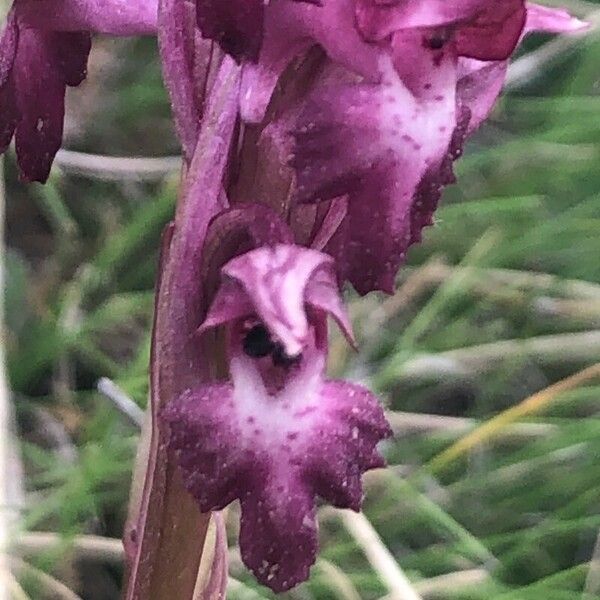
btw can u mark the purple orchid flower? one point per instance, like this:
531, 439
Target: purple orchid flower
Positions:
390, 146
43, 49
278, 433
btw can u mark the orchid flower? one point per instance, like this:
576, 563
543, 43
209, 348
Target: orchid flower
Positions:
372, 137
389, 146
43, 49
278, 433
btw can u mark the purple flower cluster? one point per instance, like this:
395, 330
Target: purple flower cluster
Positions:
318, 136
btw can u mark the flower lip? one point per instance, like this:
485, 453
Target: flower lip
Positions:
276, 438
389, 147
278, 433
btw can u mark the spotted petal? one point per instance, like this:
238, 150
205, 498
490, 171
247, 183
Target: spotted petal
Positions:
390, 146
376, 143
277, 434
276, 452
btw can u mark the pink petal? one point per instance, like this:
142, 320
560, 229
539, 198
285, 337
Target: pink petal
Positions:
552, 20
213, 469
230, 303
479, 86
292, 28
338, 479
233, 232
113, 17
322, 292
377, 20
40, 93
480, 82
275, 283
382, 145
390, 147
278, 533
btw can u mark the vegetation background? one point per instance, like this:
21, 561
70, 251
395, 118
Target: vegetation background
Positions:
482, 500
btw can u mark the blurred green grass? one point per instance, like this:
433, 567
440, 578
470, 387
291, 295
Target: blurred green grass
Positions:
521, 512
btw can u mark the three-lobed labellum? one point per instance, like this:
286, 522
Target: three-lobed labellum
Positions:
390, 146
405, 85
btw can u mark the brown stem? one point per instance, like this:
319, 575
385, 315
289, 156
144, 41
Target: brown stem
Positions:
166, 540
